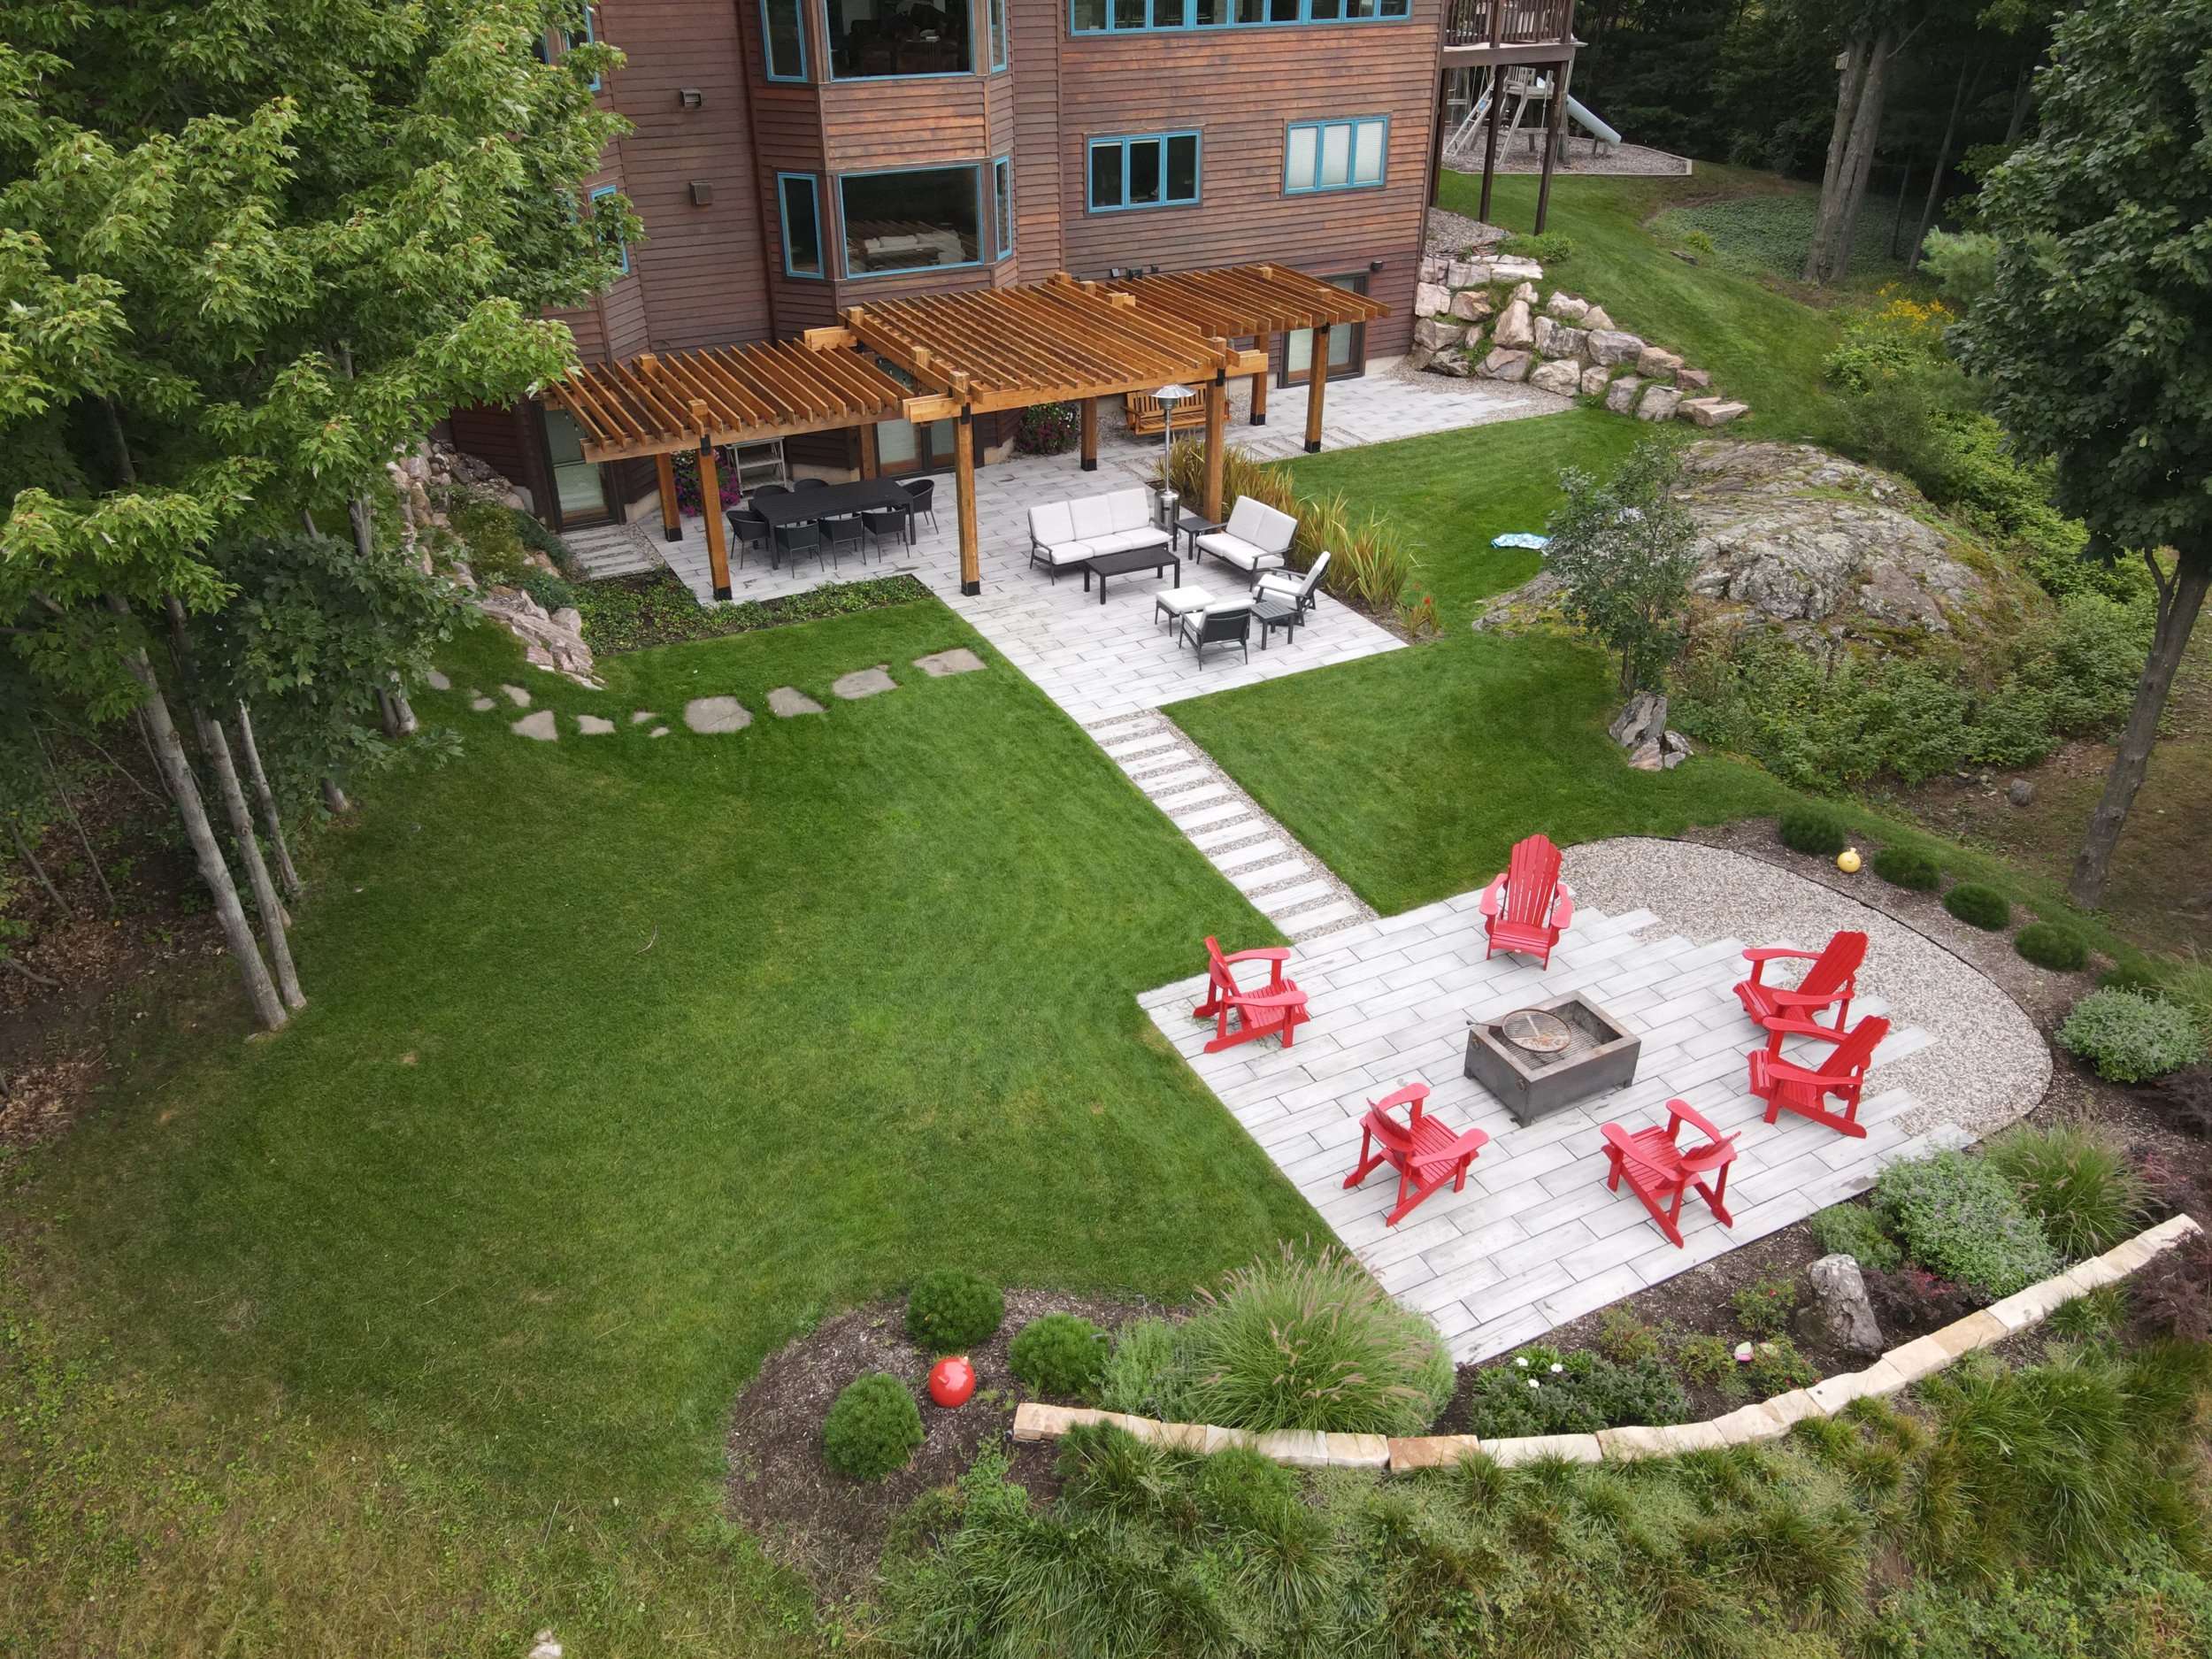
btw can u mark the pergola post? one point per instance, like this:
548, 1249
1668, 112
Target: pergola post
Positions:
868, 462
1561, 72
1217, 441
1317, 383
1259, 383
1490, 127
1090, 434
671, 519
710, 505
963, 490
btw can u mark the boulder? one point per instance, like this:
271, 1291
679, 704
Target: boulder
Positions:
1556, 339
1435, 267
1610, 345
1504, 365
1594, 379
1472, 306
1648, 756
1643, 717
1563, 375
1507, 268
1658, 402
1454, 363
1674, 748
1471, 273
1656, 360
1620, 397
1839, 1315
1713, 412
1566, 307
1436, 335
2020, 792
1431, 299
1514, 328
1693, 380
1525, 291
1419, 357
1596, 319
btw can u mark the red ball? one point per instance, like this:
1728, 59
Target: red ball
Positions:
951, 1382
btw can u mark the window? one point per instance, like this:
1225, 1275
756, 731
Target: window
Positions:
1092, 17
801, 224
998, 34
599, 195
1002, 205
1152, 172
914, 220
1336, 155
785, 32
874, 38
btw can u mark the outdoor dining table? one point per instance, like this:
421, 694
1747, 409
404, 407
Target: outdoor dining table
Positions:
834, 501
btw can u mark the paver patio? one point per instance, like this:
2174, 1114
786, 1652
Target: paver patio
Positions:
1536, 1239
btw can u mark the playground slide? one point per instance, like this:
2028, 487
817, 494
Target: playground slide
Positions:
1604, 134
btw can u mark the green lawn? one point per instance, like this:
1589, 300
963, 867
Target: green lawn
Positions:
626, 1059
1760, 344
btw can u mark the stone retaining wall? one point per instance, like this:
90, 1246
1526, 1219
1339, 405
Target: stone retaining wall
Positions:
1767, 1420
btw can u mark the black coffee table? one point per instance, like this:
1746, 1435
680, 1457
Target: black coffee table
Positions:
1276, 613
1153, 558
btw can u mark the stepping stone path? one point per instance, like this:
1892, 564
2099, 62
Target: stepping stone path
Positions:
789, 700
959, 660
594, 725
641, 716
478, 701
540, 726
520, 697
865, 683
437, 681
714, 715
658, 731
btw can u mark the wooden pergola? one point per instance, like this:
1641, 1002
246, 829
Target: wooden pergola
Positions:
1058, 340
1258, 301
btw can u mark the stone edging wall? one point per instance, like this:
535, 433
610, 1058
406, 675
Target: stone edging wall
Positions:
1767, 1420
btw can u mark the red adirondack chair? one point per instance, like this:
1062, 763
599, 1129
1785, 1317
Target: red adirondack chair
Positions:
1240, 1014
1527, 908
1660, 1172
1831, 982
1782, 1085
1423, 1152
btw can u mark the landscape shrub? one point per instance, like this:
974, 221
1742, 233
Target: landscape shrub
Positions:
1551, 248
1047, 428
951, 1310
1777, 1367
1960, 1216
1310, 1343
872, 1428
1709, 1361
1627, 1341
539, 539
1908, 867
1979, 906
495, 545
1856, 1231
1060, 1354
2085, 1189
2130, 1037
2080, 665
546, 588
2050, 946
2171, 1294
1904, 334
1623, 551
1138, 1377
1811, 829
1911, 1301
2093, 1315
1368, 568
2184, 1098
1541, 1391
1764, 1309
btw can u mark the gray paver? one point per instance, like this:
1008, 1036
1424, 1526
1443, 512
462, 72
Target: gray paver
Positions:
959, 660
540, 726
595, 726
785, 701
864, 682
715, 715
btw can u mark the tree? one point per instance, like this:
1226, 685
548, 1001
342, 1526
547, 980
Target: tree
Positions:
1622, 552
2096, 338
247, 251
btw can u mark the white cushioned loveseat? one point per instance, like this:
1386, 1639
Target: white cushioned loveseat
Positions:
1256, 538
1063, 533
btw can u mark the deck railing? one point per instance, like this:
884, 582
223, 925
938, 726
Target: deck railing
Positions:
1508, 22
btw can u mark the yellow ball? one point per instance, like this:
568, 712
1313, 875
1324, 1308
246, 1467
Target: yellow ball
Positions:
1848, 860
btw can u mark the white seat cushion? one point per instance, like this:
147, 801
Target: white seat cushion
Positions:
1254, 521
1234, 549
1124, 541
1132, 509
1051, 523
1182, 600
1060, 555
1092, 517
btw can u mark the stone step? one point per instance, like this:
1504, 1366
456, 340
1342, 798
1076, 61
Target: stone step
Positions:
1237, 857
1207, 817
1221, 834
1304, 924
1276, 905
1268, 874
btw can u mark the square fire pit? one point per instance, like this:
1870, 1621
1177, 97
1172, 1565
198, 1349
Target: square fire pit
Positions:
1540, 1058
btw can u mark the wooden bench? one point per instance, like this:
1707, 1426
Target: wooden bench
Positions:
1147, 419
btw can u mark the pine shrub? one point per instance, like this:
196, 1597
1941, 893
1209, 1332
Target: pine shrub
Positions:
2082, 1187
1061, 1354
1811, 829
1960, 1216
1855, 1231
2047, 945
872, 1429
1979, 906
2130, 1037
950, 1310
1908, 867
1139, 1377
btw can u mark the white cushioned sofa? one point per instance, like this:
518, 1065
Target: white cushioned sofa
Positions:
1063, 533
1256, 538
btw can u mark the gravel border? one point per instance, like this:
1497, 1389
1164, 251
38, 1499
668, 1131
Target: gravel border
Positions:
1989, 1065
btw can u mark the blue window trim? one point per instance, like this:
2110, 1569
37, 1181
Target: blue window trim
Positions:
591, 38
1353, 121
768, 49
1123, 141
1001, 207
821, 229
1001, 38
1190, 11
934, 74
844, 258
599, 193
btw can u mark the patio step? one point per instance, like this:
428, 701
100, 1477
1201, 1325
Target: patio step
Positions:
611, 549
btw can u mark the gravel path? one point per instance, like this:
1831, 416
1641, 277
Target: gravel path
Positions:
1989, 1065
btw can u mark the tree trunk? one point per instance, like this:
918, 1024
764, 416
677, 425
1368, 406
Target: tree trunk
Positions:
334, 797
1960, 94
216, 746
286, 872
1854, 61
1897, 215
2023, 100
399, 718
184, 789
23, 851
1858, 161
2180, 597
61, 794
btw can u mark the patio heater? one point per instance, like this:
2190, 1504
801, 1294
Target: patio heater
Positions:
1169, 396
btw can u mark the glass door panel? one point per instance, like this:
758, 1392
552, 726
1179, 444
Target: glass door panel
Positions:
1348, 343
578, 486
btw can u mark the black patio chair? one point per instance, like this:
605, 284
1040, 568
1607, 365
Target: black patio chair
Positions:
924, 491
794, 541
811, 483
759, 490
882, 524
752, 533
1217, 626
843, 534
